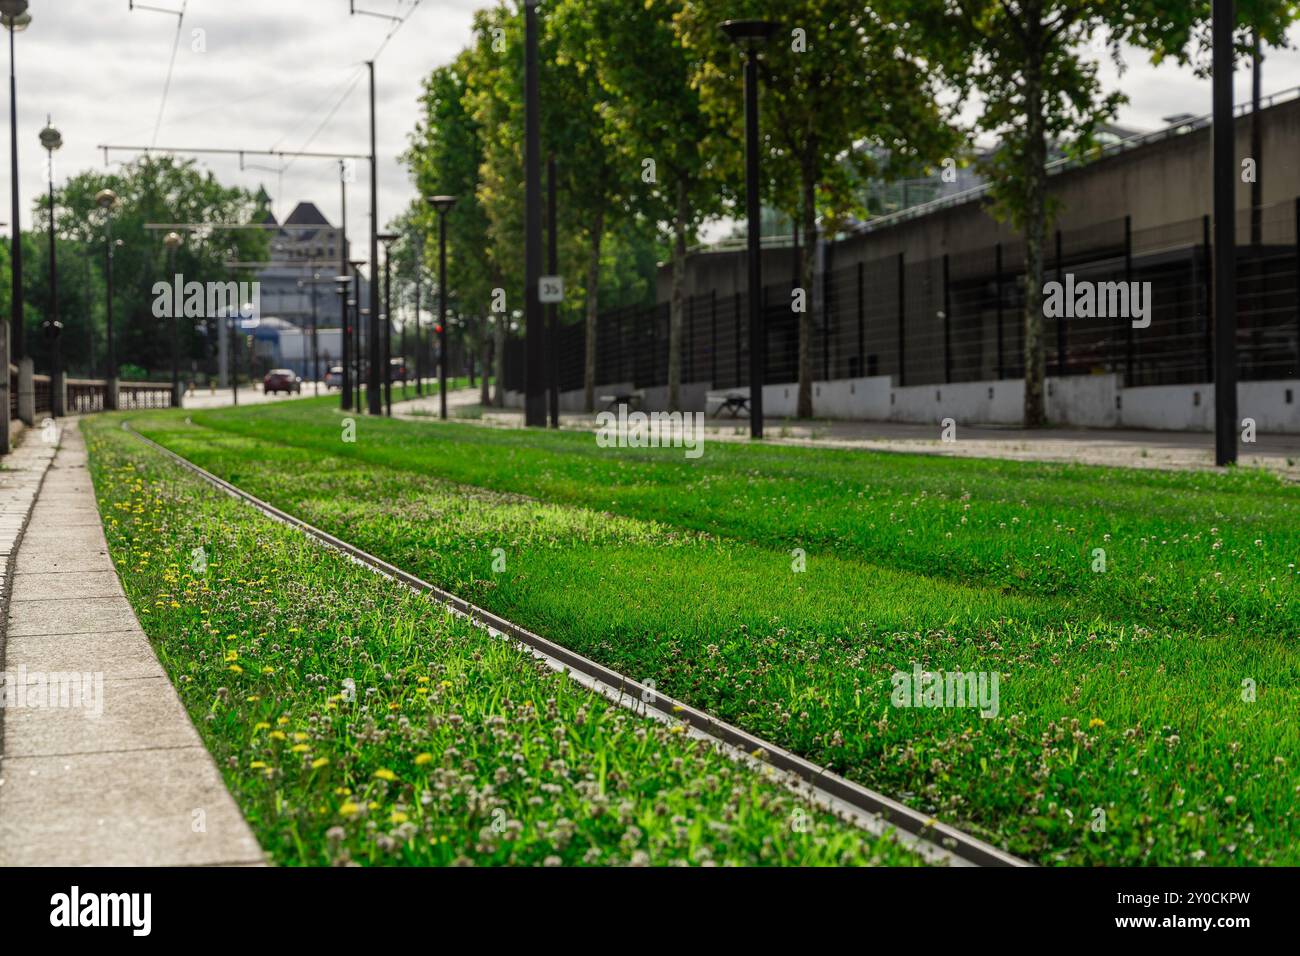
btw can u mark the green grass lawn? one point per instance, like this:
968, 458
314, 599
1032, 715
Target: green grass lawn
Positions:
355, 721
1122, 734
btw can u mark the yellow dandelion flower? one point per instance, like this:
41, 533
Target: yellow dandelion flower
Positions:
300, 748
447, 683
383, 773
1096, 722
235, 669
279, 735
349, 809
261, 725
282, 720
320, 762
299, 735
257, 765
398, 817
268, 670
422, 759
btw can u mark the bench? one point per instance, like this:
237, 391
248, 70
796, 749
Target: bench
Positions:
734, 402
622, 398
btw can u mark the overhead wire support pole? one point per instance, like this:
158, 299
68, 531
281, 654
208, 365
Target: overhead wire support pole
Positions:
374, 403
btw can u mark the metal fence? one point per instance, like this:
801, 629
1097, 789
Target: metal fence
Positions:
959, 318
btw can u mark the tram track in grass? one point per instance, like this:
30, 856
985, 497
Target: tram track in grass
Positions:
933, 840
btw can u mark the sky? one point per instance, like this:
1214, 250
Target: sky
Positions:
277, 73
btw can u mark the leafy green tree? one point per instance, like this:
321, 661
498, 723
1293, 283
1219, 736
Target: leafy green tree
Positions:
658, 121
837, 92
446, 158
1029, 61
158, 189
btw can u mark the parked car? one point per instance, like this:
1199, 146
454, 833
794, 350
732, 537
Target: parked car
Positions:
397, 370
334, 377
281, 380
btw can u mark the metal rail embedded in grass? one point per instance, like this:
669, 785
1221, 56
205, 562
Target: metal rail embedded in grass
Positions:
865, 805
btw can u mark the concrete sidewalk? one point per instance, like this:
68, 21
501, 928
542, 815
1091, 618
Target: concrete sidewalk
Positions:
1125, 448
133, 785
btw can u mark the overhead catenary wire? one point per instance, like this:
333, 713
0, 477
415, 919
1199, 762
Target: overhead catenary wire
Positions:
171, 66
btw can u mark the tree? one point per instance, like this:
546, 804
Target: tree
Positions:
838, 90
446, 157
1028, 60
158, 189
581, 130
658, 119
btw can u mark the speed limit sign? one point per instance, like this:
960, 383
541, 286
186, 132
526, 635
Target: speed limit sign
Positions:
550, 289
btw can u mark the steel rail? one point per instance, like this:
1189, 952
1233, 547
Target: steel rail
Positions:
951, 844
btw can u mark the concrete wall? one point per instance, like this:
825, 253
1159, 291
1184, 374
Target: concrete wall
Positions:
1157, 184
1084, 401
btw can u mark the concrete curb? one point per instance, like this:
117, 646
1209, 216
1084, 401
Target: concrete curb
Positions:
111, 772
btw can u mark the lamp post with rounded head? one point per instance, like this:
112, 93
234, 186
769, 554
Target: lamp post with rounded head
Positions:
106, 200
388, 238
443, 206
173, 242
750, 35
51, 139
14, 16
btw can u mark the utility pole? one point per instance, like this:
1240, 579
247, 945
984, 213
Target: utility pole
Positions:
345, 384
375, 397
1225, 238
534, 334
552, 310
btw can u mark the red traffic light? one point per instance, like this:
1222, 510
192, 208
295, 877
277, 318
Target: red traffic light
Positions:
438, 329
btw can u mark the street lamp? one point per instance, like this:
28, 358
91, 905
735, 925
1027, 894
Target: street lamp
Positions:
534, 333
388, 238
14, 16
442, 204
341, 284
51, 139
315, 352
360, 331
106, 200
173, 241
750, 35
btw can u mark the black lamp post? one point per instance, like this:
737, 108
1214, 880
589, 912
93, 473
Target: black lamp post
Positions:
173, 241
341, 284
14, 16
359, 331
315, 353
418, 253
106, 199
443, 206
750, 35
51, 139
534, 333
388, 238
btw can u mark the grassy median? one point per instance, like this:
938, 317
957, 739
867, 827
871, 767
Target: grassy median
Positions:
1145, 709
357, 722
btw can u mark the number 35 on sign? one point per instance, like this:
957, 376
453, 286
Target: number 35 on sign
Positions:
550, 289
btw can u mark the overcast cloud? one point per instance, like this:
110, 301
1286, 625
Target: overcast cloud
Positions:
273, 70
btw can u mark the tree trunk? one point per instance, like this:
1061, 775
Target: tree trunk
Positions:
499, 360
808, 279
593, 309
678, 300
1035, 228
485, 359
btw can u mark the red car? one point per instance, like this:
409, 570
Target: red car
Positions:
281, 380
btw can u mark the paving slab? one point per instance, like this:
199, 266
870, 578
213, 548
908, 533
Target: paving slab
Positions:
109, 771
115, 654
